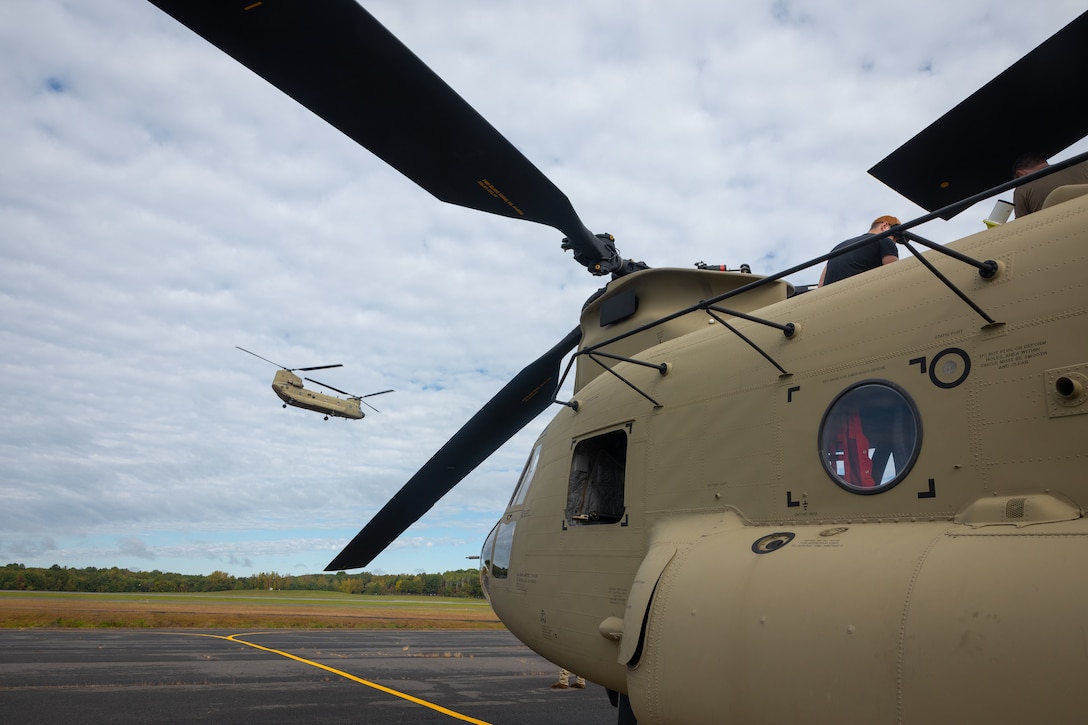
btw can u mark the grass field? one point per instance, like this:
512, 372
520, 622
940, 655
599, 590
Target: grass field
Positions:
243, 609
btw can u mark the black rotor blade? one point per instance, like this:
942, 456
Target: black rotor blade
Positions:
523, 398
263, 358
1039, 104
360, 399
334, 58
344, 392
326, 385
320, 367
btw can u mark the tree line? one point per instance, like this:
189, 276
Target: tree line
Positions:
460, 583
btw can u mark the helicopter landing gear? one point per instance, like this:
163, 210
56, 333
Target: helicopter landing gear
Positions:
623, 703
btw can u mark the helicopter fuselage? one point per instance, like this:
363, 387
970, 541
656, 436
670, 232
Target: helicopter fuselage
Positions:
879, 520
859, 504
290, 390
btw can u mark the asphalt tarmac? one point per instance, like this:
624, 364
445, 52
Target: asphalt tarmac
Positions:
116, 677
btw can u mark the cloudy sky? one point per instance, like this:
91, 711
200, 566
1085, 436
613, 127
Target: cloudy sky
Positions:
160, 204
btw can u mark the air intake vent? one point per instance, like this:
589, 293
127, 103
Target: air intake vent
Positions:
1022, 510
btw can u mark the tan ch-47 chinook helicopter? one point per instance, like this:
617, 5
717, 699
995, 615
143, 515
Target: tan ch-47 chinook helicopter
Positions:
290, 390
861, 504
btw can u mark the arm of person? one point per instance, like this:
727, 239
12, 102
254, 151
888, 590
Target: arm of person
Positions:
1020, 203
888, 251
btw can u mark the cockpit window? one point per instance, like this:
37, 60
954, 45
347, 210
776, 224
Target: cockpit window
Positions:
526, 478
595, 488
495, 556
870, 437
486, 555
488, 551
504, 544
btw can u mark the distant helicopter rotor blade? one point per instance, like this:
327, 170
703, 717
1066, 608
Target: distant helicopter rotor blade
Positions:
344, 392
263, 358
320, 367
360, 399
336, 59
326, 385
521, 400
291, 370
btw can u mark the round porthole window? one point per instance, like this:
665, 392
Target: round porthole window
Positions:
870, 437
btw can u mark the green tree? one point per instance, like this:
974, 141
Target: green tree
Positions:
217, 581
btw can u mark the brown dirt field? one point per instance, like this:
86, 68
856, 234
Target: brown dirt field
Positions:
48, 611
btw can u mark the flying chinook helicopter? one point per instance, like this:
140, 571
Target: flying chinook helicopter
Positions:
860, 504
290, 390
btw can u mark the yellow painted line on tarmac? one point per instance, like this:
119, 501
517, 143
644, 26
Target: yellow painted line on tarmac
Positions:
346, 675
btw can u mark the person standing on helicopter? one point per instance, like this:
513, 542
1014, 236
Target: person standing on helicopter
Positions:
1029, 198
866, 257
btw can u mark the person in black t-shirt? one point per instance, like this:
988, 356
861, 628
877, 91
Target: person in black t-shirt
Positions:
866, 257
